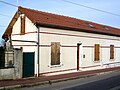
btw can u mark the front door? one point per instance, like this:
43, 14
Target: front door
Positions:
28, 64
78, 56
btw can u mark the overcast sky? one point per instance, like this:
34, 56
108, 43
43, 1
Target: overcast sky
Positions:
67, 9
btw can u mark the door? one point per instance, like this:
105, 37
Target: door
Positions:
78, 56
28, 64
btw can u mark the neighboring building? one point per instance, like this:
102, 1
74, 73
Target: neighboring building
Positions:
63, 44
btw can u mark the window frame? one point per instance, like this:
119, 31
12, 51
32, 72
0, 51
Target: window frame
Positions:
55, 53
97, 52
112, 52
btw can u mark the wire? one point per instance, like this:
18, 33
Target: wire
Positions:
91, 8
8, 3
5, 15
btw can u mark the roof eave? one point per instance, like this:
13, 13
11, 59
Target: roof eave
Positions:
8, 31
73, 29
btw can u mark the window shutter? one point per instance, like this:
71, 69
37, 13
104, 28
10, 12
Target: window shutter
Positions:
55, 53
111, 51
22, 25
97, 52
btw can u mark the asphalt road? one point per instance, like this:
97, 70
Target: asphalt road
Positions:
108, 81
106, 84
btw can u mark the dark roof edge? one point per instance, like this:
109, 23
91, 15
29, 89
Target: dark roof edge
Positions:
72, 29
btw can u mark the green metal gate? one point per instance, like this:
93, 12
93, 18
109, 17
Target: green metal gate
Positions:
28, 64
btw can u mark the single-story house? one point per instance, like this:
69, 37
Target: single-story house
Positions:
56, 44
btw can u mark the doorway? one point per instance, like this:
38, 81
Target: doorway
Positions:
78, 55
28, 64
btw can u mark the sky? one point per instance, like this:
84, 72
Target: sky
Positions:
67, 9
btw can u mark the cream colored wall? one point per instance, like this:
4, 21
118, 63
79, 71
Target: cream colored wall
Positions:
27, 46
69, 54
29, 27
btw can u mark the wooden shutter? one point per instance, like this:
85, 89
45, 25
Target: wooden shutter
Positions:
55, 53
97, 52
22, 25
111, 51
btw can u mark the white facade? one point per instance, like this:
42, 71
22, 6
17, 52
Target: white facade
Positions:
68, 50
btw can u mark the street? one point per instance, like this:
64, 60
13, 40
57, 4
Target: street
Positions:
107, 81
99, 85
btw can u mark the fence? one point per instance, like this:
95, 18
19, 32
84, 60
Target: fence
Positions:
9, 58
11, 61
2, 58
6, 58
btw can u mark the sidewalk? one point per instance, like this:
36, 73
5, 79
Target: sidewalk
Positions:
10, 84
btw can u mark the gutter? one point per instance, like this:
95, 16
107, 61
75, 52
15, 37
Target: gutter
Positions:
92, 30
38, 52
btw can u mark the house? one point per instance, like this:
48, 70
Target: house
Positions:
55, 44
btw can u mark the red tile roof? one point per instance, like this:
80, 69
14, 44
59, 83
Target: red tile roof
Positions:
64, 22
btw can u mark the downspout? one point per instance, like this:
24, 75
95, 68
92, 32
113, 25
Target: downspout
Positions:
38, 52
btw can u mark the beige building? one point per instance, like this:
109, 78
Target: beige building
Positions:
55, 44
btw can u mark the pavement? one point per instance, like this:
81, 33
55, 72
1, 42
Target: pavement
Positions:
34, 81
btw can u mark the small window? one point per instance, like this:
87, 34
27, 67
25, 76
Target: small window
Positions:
106, 28
111, 51
97, 52
91, 26
22, 32
55, 53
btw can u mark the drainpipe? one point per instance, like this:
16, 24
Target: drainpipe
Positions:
38, 52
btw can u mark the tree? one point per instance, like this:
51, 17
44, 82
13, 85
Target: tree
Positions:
2, 43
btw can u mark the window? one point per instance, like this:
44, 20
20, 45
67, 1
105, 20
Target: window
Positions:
91, 26
107, 28
22, 32
111, 51
55, 53
97, 52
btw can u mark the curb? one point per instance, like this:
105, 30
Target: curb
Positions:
52, 81
45, 82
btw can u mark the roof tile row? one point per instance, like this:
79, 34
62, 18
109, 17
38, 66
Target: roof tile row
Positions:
65, 22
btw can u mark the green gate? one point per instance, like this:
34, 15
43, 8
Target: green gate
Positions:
28, 64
